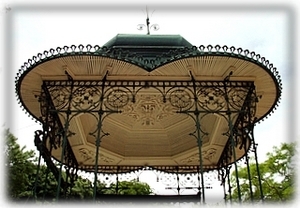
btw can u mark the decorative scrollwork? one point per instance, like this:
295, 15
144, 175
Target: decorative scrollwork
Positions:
60, 96
211, 98
107, 179
127, 177
188, 180
210, 178
51, 125
148, 109
180, 99
117, 98
88, 155
236, 97
208, 154
168, 179
86, 98
144, 62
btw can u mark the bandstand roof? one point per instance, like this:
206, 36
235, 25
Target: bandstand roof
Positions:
146, 132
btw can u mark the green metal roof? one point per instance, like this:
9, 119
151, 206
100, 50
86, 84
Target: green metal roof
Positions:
147, 46
148, 41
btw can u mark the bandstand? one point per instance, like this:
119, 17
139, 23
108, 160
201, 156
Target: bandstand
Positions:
148, 102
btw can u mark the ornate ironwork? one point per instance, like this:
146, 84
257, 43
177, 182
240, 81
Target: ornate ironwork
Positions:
61, 101
177, 54
195, 98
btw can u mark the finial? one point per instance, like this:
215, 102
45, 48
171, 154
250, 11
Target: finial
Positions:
142, 26
147, 22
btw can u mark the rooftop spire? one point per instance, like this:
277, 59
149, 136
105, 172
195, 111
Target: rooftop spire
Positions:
147, 22
153, 26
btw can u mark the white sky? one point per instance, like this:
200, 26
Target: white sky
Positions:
268, 31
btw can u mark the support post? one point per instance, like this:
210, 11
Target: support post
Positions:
199, 138
178, 185
98, 137
98, 141
222, 178
199, 183
37, 176
229, 184
64, 142
231, 139
249, 176
58, 190
117, 183
257, 166
246, 133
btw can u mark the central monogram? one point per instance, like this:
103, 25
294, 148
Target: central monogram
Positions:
148, 109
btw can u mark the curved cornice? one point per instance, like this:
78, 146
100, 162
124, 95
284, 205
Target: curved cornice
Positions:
151, 64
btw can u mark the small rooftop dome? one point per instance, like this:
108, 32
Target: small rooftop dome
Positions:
148, 45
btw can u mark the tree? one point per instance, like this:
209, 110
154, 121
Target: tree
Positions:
44, 184
20, 168
277, 175
25, 183
82, 189
132, 187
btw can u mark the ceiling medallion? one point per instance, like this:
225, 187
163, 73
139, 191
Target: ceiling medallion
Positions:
148, 109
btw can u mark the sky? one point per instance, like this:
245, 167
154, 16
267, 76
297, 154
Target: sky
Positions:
266, 29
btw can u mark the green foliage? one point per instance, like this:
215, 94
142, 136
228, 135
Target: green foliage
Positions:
277, 175
26, 181
82, 189
132, 187
44, 184
20, 168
